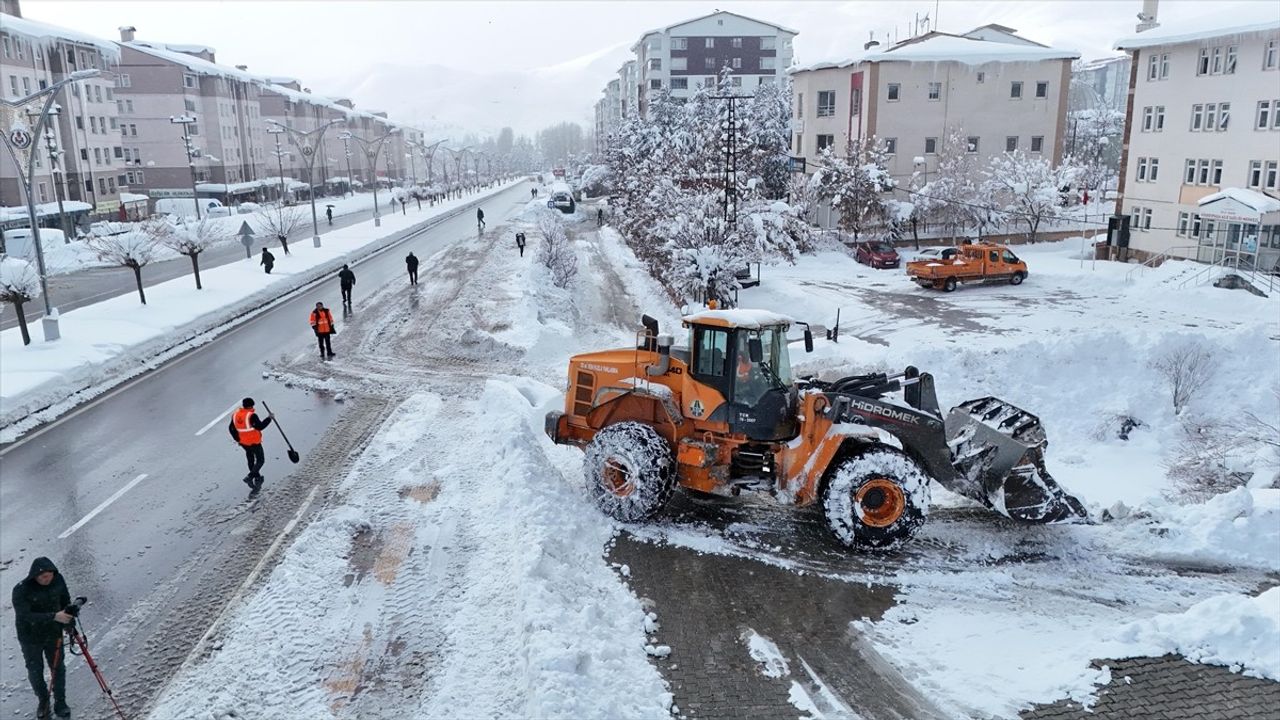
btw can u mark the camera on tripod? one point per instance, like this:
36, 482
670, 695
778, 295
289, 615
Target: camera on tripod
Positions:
74, 608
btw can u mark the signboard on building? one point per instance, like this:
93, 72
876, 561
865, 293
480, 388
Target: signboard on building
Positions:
106, 206
1225, 209
797, 164
169, 193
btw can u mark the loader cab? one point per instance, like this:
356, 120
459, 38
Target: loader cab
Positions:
746, 362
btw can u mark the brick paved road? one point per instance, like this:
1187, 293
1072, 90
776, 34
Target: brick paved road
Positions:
1172, 688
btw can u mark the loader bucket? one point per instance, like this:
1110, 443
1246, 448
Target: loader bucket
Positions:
997, 450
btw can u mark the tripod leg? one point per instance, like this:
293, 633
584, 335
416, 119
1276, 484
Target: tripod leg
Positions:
97, 674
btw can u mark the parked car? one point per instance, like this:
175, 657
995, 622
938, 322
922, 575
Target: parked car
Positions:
877, 254
973, 263
562, 198
937, 253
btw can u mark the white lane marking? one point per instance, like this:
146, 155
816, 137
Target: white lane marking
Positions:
215, 421
301, 356
198, 649
103, 506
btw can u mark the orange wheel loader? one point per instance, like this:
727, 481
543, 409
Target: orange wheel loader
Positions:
723, 415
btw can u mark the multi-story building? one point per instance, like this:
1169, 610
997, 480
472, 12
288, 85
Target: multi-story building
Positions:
1202, 148
34, 55
1101, 82
1001, 91
690, 54
628, 90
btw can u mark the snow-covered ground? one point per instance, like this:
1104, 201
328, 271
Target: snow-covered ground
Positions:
459, 570
99, 340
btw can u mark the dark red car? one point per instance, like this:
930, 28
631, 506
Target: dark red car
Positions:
877, 254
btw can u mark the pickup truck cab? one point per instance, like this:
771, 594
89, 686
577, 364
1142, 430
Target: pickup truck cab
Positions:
972, 263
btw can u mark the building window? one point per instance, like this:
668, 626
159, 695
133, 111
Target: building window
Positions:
1224, 116
891, 146
1255, 174
26, 86
680, 63
711, 42
1229, 65
1148, 118
1271, 55
655, 64
188, 81
972, 144
13, 85
1184, 220
1146, 218
123, 80
1015, 89
735, 42
195, 128
799, 105
1269, 177
931, 146
1153, 67
1263, 119
1216, 172
768, 42
1189, 177
654, 84
1011, 143
1142, 169
1037, 143
44, 192
825, 141
654, 44
84, 154
708, 63
7, 48
1211, 116
799, 144
737, 63
102, 186
189, 104
1154, 165
768, 62
1164, 66
679, 83
97, 156
679, 43
1042, 89
935, 90
1202, 172
894, 89
982, 77
826, 103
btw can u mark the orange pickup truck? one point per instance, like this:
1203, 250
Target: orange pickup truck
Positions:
971, 263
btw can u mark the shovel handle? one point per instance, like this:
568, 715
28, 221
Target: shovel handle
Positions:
286, 437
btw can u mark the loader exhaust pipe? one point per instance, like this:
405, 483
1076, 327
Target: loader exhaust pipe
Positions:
663, 345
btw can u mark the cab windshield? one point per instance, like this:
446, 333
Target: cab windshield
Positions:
753, 380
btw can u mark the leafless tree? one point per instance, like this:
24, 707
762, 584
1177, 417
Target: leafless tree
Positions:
280, 222
134, 250
1186, 369
19, 284
556, 252
191, 239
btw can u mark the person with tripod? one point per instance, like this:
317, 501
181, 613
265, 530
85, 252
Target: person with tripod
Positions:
39, 604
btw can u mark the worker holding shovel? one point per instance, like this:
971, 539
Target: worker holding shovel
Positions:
246, 429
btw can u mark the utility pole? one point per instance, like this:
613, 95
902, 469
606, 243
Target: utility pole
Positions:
277, 131
184, 121
51, 147
729, 201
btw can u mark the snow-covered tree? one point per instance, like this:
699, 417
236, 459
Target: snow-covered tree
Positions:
19, 284
597, 180
766, 138
952, 195
855, 184
134, 250
1028, 187
191, 239
279, 222
556, 252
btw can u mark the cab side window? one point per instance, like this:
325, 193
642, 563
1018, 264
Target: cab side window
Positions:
1010, 257
711, 348
993, 256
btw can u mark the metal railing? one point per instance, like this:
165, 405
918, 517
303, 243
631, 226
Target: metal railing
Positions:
1157, 260
1231, 264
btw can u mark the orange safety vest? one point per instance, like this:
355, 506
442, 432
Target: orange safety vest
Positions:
322, 321
249, 435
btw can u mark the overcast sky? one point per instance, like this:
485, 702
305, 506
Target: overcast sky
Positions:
482, 65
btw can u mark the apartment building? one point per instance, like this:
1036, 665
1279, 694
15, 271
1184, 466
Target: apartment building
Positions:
1003, 91
1102, 82
1202, 149
684, 56
34, 55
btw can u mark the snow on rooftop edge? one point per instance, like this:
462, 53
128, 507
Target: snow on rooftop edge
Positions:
944, 48
48, 34
1243, 18
1252, 198
749, 318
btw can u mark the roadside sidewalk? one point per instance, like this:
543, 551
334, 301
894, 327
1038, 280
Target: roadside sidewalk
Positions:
106, 343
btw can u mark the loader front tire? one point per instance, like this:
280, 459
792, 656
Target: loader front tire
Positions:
876, 499
629, 471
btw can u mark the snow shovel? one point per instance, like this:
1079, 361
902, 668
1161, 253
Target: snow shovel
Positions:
294, 457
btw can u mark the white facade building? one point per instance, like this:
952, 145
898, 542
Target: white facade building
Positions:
1204, 127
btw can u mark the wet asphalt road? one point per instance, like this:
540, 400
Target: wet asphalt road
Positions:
170, 425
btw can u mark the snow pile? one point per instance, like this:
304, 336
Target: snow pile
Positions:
773, 664
1238, 631
1241, 527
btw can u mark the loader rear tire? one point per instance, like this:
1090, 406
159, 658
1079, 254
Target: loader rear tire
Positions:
629, 471
876, 499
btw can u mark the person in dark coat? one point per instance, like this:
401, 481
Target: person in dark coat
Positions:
599, 217
268, 260
346, 280
328, 213
520, 242
411, 262
39, 602
480, 219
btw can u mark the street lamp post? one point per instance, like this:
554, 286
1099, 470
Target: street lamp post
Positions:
308, 148
346, 150
428, 154
279, 153
51, 147
413, 161
184, 121
371, 149
20, 139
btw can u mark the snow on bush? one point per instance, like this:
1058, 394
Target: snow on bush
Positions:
556, 252
597, 180
191, 239
19, 281
1238, 631
1186, 369
134, 250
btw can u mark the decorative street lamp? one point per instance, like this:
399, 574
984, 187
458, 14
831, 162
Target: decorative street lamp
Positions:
18, 139
346, 150
428, 153
371, 149
184, 121
308, 149
277, 131
413, 160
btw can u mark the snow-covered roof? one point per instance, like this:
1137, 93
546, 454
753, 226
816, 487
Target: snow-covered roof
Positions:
49, 208
133, 197
191, 62
1102, 62
47, 34
672, 26
942, 47
748, 318
1260, 203
1212, 21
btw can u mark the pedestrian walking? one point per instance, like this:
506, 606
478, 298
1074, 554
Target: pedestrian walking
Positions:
322, 324
346, 280
533, 193
520, 242
268, 260
599, 217
39, 611
246, 429
411, 263
480, 219
328, 213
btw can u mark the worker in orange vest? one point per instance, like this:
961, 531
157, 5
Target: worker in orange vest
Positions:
246, 429
322, 324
